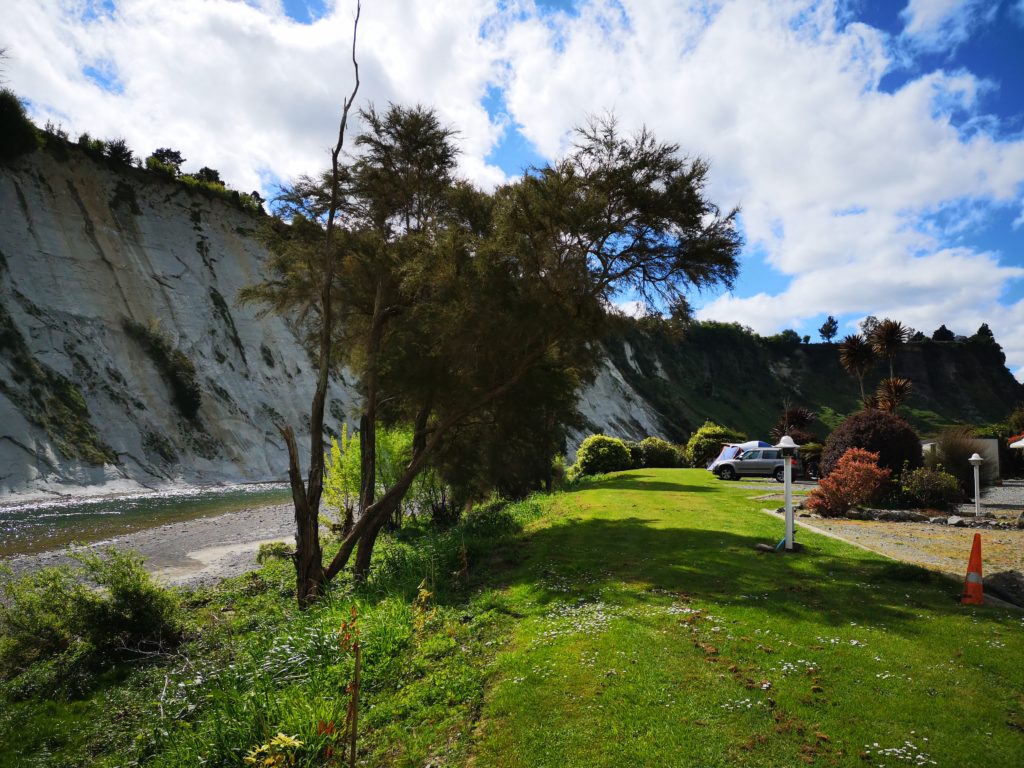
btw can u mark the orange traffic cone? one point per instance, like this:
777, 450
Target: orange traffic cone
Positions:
974, 593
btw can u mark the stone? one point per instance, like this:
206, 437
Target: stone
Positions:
901, 516
956, 521
1020, 522
764, 547
1008, 585
940, 520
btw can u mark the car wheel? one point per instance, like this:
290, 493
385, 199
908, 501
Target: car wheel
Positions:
727, 473
779, 474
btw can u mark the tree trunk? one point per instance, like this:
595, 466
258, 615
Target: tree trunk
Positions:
309, 571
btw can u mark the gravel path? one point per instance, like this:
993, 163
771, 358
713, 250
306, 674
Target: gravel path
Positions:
193, 552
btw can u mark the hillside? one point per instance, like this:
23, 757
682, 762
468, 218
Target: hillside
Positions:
126, 362
721, 372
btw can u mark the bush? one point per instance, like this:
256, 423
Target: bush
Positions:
118, 152
931, 488
599, 454
178, 370
636, 453
274, 550
886, 434
856, 479
706, 443
656, 452
18, 136
953, 448
105, 608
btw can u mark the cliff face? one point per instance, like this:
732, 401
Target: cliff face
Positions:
125, 362
104, 279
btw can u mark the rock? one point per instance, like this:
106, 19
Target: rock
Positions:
901, 516
956, 521
1008, 585
937, 520
1020, 522
764, 548
856, 513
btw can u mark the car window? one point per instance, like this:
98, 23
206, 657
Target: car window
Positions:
751, 455
771, 454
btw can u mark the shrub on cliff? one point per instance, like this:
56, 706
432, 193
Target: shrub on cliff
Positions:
18, 136
177, 369
886, 434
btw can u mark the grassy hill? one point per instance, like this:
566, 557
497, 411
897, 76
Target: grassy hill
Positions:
628, 621
725, 373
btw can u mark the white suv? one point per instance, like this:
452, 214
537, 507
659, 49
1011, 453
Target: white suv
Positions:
763, 462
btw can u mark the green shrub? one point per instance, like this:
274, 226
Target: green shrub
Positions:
274, 550
636, 453
881, 432
656, 452
80, 617
174, 364
599, 454
706, 443
18, 136
931, 488
953, 448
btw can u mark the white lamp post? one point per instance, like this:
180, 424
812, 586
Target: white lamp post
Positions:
788, 451
976, 463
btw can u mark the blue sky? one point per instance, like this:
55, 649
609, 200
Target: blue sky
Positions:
875, 147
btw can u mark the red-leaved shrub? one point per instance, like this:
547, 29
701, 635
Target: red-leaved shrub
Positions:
856, 479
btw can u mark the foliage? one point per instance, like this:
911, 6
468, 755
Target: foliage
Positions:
953, 447
706, 443
942, 333
893, 392
795, 421
599, 454
18, 136
274, 550
876, 431
857, 356
887, 338
279, 752
658, 453
636, 453
788, 339
856, 479
433, 272
118, 152
208, 176
177, 369
166, 161
931, 488
77, 619
829, 329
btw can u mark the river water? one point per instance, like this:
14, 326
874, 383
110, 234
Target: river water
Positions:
45, 525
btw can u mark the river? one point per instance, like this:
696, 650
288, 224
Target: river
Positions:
42, 526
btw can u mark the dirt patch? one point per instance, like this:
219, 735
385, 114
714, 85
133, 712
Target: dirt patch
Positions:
938, 547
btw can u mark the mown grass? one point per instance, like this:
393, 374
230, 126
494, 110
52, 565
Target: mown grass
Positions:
653, 634
627, 622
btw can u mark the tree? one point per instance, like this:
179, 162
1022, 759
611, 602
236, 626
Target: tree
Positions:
867, 326
984, 333
208, 176
309, 260
795, 421
165, 160
857, 357
18, 135
118, 152
434, 273
829, 329
942, 333
893, 392
887, 338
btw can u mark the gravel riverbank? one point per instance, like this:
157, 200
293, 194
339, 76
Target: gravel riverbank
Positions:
191, 552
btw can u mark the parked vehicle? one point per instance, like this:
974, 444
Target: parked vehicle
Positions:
762, 462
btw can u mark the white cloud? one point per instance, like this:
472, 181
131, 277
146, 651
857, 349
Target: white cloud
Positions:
861, 198
242, 88
944, 24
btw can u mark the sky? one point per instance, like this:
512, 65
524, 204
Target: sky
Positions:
875, 148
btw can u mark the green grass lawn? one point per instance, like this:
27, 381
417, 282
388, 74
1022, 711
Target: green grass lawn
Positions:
653, 634
626, 622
